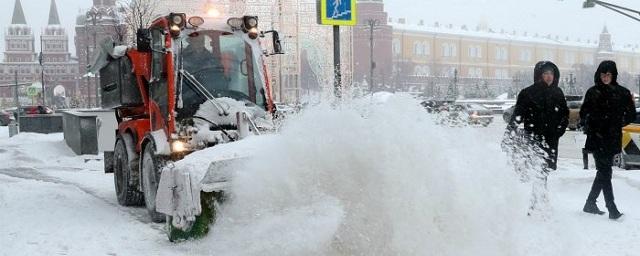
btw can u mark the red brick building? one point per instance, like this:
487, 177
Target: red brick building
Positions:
21, 59
95, 25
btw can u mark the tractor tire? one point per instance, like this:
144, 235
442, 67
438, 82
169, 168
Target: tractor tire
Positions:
127, 193
151, 167
200, 227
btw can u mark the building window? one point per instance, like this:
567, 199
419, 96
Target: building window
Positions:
475, 51
421, 48
397, 47
525, 55
502, 53
449, 50
418, 49
426, 48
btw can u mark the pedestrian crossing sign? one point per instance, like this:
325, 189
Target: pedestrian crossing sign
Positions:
337, 12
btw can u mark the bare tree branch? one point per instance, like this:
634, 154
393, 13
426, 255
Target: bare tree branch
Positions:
137, 14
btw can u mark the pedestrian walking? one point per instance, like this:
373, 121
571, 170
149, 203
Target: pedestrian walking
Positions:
606, 109
542, 109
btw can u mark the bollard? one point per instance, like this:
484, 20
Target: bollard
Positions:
13, 129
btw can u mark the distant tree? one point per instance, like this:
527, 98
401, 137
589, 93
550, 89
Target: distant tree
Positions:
584, 76
137, 14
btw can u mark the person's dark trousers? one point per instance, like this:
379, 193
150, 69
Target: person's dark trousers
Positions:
551, 148
602, 182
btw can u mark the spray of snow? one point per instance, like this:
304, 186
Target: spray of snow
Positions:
371, 177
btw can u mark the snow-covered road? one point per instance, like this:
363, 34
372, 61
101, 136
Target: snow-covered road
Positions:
55, 203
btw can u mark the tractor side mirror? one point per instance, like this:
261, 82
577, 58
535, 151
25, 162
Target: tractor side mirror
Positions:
143, 39
277, 45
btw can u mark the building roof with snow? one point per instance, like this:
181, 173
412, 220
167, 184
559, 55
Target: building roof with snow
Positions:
483, 32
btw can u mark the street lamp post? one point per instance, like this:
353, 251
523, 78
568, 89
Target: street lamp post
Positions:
94, 15
571, 81
616, 8
372, 23
17, 98
41, 61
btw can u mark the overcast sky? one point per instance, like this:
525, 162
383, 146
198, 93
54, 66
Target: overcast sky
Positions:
563, 18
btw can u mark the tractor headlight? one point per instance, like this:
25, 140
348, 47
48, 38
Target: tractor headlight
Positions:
175, 30
179, 146
235, 23
177, 22
177, 19
196, 21
250, 22
253, 33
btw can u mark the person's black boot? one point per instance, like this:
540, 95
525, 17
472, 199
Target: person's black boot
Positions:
591, 207
614, 214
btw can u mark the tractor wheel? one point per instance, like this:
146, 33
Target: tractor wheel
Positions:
200, 227
151, 167
127, 193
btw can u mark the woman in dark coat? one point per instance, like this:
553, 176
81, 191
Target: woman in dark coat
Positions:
606, 109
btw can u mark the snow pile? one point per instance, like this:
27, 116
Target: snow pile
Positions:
373, 179
210, 111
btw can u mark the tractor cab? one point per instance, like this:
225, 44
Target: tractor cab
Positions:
203, 75
224, 65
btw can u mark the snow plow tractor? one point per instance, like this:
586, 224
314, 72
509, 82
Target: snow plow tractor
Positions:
190, 84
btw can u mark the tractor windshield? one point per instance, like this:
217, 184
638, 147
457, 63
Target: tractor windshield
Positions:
224, 64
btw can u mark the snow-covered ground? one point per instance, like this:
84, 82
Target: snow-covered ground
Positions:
359, 179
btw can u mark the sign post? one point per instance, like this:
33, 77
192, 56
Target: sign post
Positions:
337, 13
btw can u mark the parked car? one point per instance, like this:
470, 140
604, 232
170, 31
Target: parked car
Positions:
435, 106
630, 156
5, 118
31, 110
478, 114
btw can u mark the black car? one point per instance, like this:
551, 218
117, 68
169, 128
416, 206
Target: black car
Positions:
5, 118
435, 106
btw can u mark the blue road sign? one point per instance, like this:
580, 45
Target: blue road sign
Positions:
338, 12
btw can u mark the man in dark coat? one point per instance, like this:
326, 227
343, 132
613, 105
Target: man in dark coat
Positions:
606, 109
542, 108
